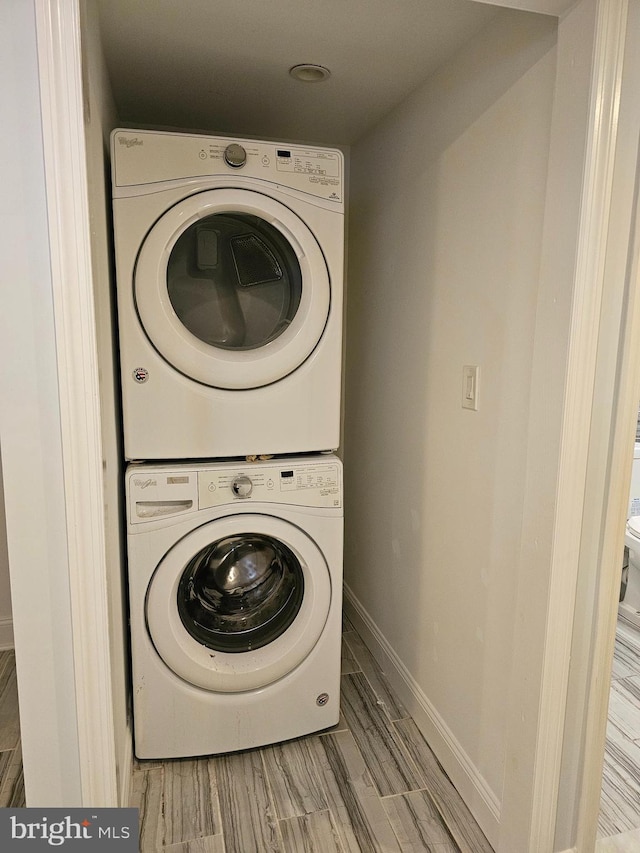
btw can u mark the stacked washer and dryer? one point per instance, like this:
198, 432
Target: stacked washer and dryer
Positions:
229, 267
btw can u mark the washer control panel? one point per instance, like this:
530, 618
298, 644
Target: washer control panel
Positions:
307, 483
168, 491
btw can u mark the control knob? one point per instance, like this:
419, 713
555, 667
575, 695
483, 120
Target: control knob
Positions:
235, 155
242, 487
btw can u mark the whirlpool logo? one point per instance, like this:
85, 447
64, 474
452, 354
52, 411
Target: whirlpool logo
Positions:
75, 829
130, 141
144, 484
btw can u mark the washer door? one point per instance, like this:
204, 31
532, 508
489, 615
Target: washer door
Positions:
232, 289
239, 602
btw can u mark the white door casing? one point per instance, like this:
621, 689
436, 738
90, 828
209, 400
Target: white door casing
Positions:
58, 33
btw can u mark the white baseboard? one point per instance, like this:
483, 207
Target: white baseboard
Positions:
620, 843
126, 767
629, 614
6, 634
480, 799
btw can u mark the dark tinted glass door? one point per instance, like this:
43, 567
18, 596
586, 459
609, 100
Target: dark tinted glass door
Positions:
240, 593
234, 281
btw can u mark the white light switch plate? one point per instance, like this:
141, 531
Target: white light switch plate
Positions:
470, 386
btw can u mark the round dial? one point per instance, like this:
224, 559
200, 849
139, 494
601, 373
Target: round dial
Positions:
242, 487
235, 155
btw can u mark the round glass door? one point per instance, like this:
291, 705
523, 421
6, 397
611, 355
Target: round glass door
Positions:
239, 602
240, 592
234, 281
232, 288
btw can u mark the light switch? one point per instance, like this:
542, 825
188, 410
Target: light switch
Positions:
470, 387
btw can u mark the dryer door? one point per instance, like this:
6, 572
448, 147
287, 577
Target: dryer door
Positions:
239, 602
232, 289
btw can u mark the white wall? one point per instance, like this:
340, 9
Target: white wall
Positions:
447, 204
100, 118
31, 435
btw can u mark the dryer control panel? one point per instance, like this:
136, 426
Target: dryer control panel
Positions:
144, 157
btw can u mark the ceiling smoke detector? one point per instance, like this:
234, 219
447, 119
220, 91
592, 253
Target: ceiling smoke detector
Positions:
307, 73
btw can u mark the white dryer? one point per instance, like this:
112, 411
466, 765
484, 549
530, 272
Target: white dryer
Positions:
235, 591
229, 270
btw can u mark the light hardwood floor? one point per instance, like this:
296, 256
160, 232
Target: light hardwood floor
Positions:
370, 784
620, 800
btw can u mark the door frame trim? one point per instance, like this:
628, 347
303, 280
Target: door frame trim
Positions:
579, 403
62, 102
614, 425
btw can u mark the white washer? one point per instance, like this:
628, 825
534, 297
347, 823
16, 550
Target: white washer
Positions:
235, 592
229, 269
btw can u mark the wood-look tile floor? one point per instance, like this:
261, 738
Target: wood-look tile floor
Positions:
11, 777
369, 784
620, 798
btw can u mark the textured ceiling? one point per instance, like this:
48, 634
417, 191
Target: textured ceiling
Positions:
222, 65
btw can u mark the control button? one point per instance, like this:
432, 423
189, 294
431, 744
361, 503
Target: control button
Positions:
269, 484
212, 487
203, 155
265, 160
235, 155
242, 487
